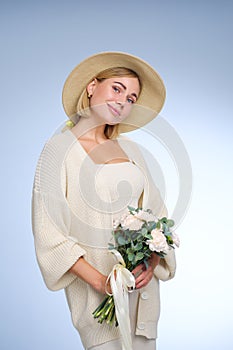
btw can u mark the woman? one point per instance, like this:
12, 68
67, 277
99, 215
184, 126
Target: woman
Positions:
85, 178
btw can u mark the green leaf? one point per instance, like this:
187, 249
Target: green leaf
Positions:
139, 256
138, 246
164, 219
148, 236
158, 225
144, 231
129, 251
170, 223
135, 235
121, 240
131, 209
152, 225
131, 257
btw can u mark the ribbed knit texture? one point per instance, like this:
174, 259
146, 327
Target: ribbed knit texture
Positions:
67, 225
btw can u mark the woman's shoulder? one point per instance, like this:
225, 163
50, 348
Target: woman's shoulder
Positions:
55, 151
51, 163
58, 144
60, 139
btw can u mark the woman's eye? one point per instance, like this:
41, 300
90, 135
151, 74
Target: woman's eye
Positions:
116, 89
130, 100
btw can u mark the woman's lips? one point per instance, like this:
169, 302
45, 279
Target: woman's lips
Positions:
114, 110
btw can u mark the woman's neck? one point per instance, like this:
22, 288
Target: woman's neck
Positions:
89, 128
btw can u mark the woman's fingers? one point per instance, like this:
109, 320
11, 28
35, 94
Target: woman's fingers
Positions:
142, 274
138, 270
144, 278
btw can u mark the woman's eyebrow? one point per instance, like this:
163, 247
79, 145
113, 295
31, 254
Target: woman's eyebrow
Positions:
124, 87
118, 82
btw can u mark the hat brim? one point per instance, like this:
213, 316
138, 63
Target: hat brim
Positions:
151, 98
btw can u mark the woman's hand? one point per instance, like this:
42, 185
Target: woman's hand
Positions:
144, 275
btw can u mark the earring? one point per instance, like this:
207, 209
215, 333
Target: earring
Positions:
89, 95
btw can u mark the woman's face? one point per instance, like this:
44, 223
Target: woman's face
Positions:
112, 99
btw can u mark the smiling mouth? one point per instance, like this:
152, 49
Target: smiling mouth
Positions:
113, 110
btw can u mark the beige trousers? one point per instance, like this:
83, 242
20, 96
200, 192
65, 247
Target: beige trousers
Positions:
139, 342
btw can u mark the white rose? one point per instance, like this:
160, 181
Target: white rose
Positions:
159, 242
144, 215
131, 222
176, 239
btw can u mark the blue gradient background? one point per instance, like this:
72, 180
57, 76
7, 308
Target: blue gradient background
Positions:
190, 44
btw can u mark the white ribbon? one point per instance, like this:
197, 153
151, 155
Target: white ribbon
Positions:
120, 280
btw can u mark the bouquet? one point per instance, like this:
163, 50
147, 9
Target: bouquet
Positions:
137, 234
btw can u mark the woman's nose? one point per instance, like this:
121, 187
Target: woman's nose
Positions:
120, 103
121, 100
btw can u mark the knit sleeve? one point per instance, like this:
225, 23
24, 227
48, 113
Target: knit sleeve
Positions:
51, 219
166, 268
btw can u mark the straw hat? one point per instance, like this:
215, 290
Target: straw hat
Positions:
151, 98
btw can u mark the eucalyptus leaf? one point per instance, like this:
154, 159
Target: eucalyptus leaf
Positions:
131, 209
121, 240
152, 226
129, 251
144, 231
139, 256
138, 246
164, 219
131, 257
158, 225
170, 222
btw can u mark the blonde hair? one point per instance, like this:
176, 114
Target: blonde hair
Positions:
111, 131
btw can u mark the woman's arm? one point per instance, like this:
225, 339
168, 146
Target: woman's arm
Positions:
51, 218
90, 275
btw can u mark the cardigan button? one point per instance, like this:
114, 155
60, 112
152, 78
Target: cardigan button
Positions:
144, 296
141, 325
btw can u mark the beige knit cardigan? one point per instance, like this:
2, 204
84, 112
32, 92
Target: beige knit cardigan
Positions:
69, 221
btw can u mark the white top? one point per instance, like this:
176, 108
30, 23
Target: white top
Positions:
120, 184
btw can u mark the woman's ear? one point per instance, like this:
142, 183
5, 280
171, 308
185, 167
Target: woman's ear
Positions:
91, 87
